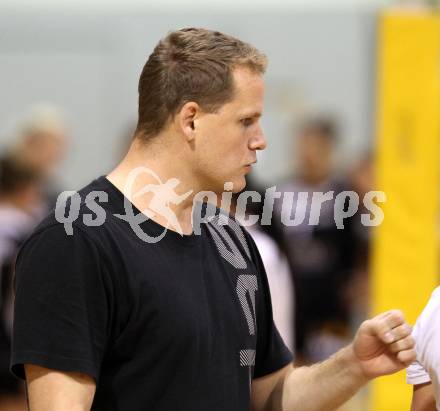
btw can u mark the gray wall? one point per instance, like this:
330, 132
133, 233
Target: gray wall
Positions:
89, 64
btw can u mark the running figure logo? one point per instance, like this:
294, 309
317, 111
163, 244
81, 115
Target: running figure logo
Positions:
164, 194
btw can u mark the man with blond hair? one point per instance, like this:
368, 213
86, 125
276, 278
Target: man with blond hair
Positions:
106, 321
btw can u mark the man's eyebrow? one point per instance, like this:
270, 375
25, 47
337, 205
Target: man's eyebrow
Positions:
252, 114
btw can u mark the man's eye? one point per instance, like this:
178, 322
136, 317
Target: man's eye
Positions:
247, 121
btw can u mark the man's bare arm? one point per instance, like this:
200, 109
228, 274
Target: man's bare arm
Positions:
321, 386
50, 390
382, 346
423, 398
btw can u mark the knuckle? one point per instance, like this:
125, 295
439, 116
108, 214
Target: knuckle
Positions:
405, 330
397, 314
394, 348
398, 346
407, 356
406, 344
403, 357
365, 325
402, 345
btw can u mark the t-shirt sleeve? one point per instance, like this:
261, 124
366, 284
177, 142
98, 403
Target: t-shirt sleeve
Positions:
416, 374
62, 304
272, 354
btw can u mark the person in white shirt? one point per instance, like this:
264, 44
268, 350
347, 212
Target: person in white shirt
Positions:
424, 373
280, 283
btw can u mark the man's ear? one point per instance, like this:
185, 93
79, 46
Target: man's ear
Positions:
186, 119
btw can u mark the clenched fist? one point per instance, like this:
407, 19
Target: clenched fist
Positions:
383, 345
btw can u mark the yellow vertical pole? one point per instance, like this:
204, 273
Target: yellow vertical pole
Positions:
405, 245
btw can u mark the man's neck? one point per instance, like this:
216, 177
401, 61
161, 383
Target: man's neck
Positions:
144, 176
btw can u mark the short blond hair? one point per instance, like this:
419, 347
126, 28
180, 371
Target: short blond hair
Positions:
191, 64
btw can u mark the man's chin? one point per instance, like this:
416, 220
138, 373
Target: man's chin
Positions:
239, 185
233, 185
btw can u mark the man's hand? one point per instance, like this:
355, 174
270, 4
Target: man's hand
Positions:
383, 345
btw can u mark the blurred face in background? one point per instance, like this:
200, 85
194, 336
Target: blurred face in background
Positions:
362, 176
314, 151
43, 150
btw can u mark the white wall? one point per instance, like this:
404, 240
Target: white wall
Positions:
230, 5
89, 62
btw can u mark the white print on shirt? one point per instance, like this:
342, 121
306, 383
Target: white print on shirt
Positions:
247, 284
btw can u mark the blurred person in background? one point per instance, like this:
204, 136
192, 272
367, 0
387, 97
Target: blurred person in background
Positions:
20, 196
361, 178
321, 255
42, 145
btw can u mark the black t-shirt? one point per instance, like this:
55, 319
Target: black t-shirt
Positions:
182, 324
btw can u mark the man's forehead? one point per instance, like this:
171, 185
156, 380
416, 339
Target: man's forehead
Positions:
249, 93
244, 77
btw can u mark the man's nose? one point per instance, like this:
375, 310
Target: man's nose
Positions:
258, 141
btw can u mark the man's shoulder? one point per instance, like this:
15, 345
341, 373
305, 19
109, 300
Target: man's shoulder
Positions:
433, 306
435, 296
70, 212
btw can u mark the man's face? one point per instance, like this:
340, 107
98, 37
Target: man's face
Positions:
227, 140
315, 155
